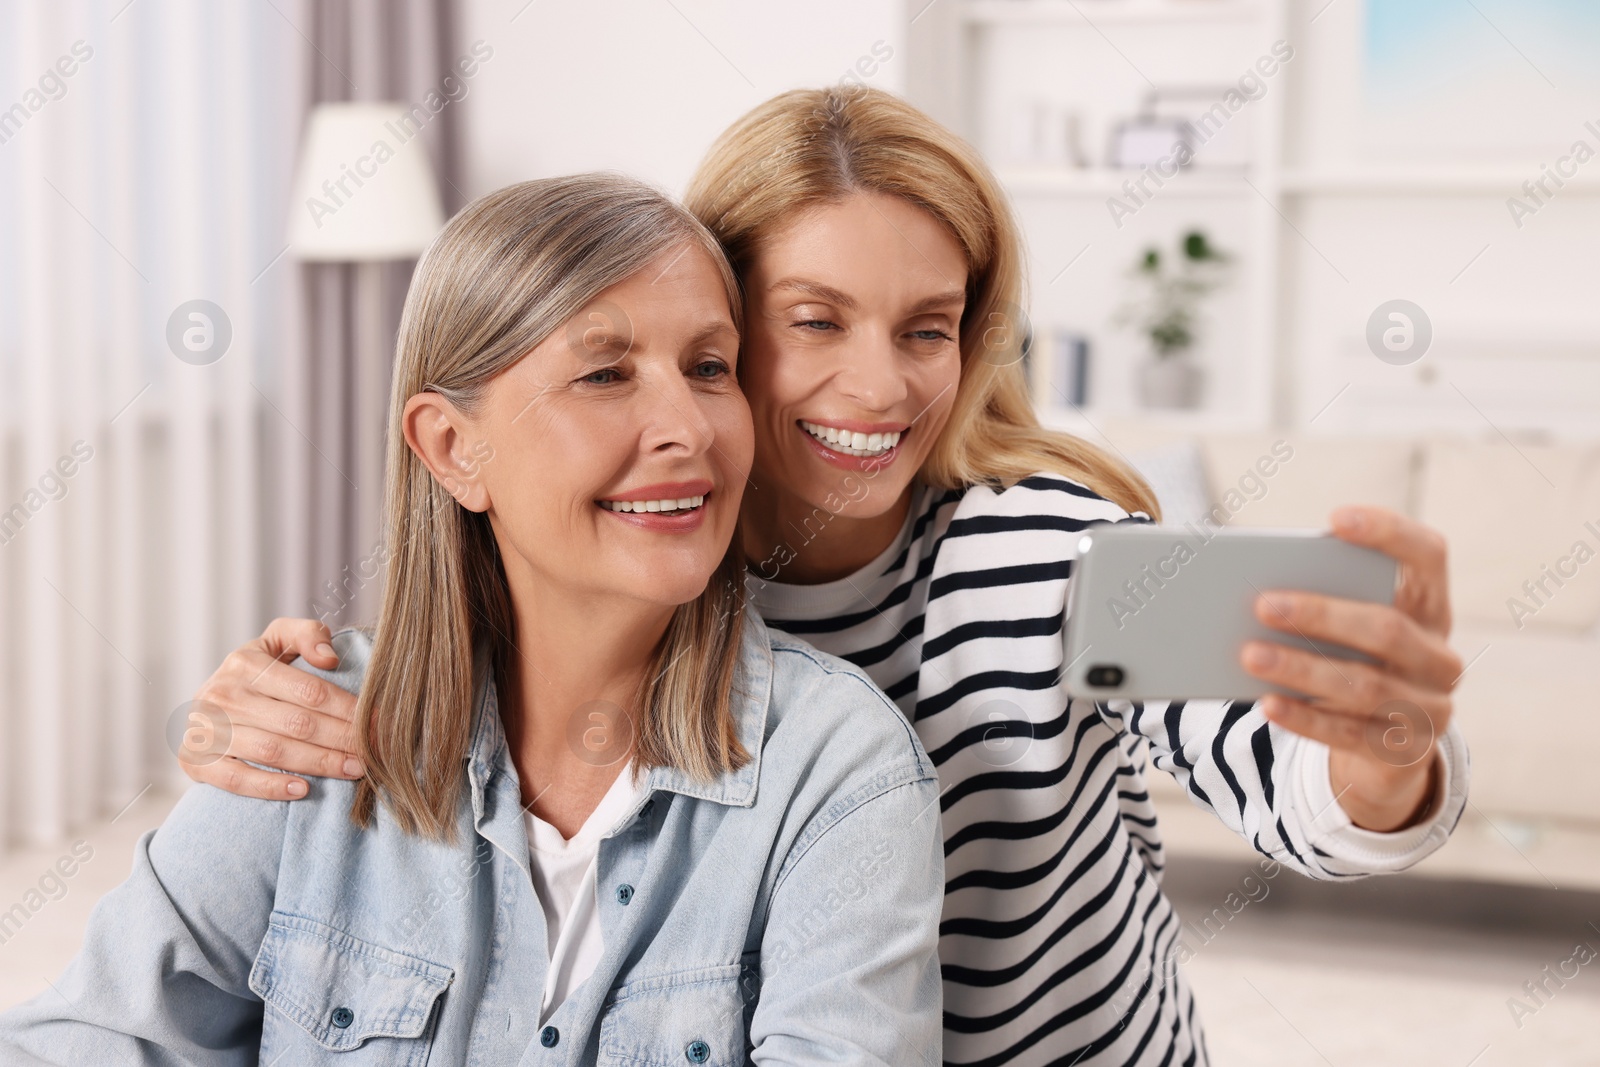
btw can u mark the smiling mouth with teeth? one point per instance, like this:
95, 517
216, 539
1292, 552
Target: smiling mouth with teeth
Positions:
852, 444
685, 503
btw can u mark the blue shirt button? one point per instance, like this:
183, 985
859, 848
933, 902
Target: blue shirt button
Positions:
698, 1052
343, 1017
624, 893
549, 1036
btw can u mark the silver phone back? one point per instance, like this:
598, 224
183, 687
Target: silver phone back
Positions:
1169, 606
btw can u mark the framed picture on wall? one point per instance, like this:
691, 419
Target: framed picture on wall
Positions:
1445, 81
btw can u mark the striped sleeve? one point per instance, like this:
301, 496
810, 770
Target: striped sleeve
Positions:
1270, 786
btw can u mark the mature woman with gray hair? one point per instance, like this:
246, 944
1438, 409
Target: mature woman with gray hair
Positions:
741, 860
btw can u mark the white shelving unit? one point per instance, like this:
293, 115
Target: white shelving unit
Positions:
1110, 12
954, 44
1100, 182
1473, 181
1394, 181
976, 64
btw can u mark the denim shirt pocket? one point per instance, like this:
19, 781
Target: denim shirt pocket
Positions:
334, 998
671, 1020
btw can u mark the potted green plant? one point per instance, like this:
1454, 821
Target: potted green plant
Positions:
1165, 309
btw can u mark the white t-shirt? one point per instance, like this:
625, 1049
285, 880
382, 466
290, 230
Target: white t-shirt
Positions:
564, 879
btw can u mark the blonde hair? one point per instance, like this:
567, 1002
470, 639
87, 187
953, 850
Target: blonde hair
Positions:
506, 273
815, 146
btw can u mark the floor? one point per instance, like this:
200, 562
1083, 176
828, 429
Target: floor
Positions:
57, 908
1395, 971
1392, 971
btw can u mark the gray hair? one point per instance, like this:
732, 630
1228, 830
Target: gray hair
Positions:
504, 275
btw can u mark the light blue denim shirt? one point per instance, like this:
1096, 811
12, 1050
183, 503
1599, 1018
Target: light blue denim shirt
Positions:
783, 913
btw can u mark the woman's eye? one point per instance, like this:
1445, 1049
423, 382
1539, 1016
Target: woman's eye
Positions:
818, 325
710, 369
602, 377
930, 335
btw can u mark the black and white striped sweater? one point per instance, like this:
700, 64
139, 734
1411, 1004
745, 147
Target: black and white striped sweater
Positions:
1057, 945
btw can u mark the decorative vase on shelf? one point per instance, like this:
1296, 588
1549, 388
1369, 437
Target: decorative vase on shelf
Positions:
1165, 306
1170, 381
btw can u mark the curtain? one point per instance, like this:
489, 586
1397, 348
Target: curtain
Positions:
187, 437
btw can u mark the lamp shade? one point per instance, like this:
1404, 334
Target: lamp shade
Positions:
364, 189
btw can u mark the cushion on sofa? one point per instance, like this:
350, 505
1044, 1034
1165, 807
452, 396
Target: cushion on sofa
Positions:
1523, 522
1284, 479
1525, 703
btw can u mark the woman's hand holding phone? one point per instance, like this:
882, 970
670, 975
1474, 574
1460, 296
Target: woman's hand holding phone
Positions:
1378, 721
256, 707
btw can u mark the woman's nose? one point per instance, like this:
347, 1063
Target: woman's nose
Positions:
674, 417
872, 375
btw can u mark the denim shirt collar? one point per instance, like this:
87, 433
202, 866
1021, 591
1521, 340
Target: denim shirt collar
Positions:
752, 693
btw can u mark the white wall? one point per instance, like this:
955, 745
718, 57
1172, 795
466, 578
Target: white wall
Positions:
643, 86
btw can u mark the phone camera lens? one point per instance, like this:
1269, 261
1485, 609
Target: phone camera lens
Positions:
1105, 676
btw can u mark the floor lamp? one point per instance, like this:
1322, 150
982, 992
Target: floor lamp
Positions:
364, 195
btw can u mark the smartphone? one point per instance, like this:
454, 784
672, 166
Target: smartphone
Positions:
1160, 612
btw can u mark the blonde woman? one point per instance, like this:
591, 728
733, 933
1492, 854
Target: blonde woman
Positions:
908, 514
754, 875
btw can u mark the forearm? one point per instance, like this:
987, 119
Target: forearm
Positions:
1276, 790
1229, 762
1348, 848
1407, 800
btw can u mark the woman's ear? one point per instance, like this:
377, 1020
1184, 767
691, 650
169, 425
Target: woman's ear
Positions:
442, 438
